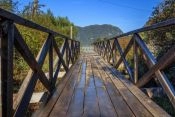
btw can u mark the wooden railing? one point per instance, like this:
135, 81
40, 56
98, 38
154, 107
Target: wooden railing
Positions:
10, 39
108, 49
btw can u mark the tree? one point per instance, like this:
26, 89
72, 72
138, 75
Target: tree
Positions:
162, 39
9, 5
32, 9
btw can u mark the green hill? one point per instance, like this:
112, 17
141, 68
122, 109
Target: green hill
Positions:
86, 35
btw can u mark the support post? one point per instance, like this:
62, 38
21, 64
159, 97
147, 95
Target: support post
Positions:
135, 61
6, 72
51, 63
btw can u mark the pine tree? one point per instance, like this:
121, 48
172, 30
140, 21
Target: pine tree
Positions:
9, 5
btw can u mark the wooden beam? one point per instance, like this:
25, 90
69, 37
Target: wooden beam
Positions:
135, 49
60, 55
25, 92
24, 50
165, 83
123, 59
59, 64
6, 72
125, 52
164, 61
51, 63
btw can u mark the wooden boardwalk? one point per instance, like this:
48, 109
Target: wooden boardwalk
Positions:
93, 88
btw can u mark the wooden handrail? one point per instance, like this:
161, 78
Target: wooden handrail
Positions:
155, 68
21, 21
10, 39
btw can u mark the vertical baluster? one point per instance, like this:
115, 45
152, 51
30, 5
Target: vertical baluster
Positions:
109, 51
78, 47
51, 62
67, 53
72, 54
104, 51
114, 54
135, 49
6, 59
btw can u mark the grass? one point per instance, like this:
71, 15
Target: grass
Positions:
165, 104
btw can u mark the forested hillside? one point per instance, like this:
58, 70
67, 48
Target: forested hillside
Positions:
32, 11
91, 33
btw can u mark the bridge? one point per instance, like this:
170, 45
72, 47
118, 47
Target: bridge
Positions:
92, 84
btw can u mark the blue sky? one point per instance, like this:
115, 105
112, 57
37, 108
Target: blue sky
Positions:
126, 14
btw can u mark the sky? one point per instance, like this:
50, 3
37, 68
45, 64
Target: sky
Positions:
125, 14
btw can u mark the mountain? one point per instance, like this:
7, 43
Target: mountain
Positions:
88, 34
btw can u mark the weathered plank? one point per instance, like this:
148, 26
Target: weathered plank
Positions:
135, 105
105, 105
62, 104
155, 110
77, 102
117, 100
100, 91
45, 110
91, 107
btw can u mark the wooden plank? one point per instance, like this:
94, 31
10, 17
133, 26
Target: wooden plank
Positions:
91, 107
105, 105
148, 103
47, 108
117, 100
6, 71
62, 104
77, 102
134, 104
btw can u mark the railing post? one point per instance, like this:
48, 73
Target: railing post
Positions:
110, 52
51, 62
67, 53
6, 62
135, 49
114, 54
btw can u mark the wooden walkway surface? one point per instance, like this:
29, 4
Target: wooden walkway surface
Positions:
93, 88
